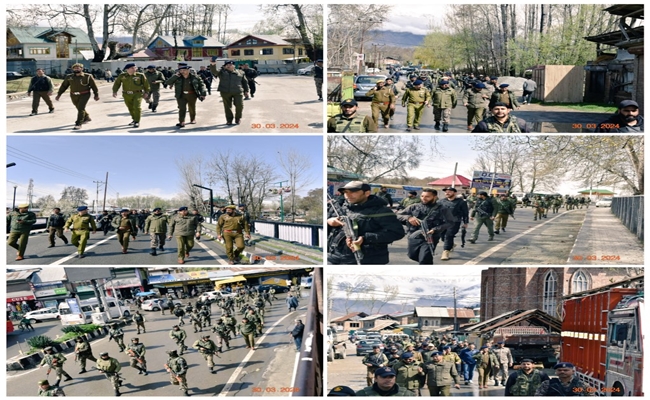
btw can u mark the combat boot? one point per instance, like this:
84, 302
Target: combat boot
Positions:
153, 251
56, 384
65, 240
445, 128
117, 393
83, 371
161, 248
497, 231
186, 393
503, 229
67, 378
445, 255
437, 126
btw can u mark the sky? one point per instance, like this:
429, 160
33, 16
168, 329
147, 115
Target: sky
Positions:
136, 165
408, 270
403, 18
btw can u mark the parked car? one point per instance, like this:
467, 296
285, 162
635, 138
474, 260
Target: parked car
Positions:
373, 70
214, 295
363, 83
157, 304
278, 288
604, 202
43, 314
365, 346
306, 71
13, 75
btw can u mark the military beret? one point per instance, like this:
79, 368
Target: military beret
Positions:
82, 208
450, 188
43, 382
229, 62
503, 85
157, 209
23, 205
499, 104
483, 193
125, 210
407, 355
129, 65
341, 391
628, 103
446, 348
494, 78
417, 82
526, 360
443, 82
103, 353
151, 67
563, 365
483, 347
182, 209
349, 102
436, 353
479, 85
385, 371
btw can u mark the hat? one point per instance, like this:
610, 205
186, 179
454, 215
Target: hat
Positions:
157, 209
501, 342
431, 345
380, 81
349, 102
341, 391
43, 382
446, 347
151, 67
181, 65
125, 210
503, 85
443, 82
479, 85
385, 371
355, 185
413, 192
135, 338
129, 65
450, 188
436, 353
172, 353
319, 60
80, 65
482, 193
483, 347
231, 206
504, 194
229, 62
103, 353
175, 326
407, 355
23, 205
417, 82
494, 78
375, 347
184, 67
628, 103
563, 365
82, 208
182, 209
499, 104
526, 360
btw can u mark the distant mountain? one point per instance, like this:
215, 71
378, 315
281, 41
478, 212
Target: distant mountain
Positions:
396, 39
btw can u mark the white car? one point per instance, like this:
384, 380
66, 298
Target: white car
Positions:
157, 304
43, 314
215, 295
604, 202
306, 71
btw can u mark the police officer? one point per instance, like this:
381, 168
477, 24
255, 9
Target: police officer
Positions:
390, 85
383, 100
566, 383
178, 335
444, 100
207, 78
177, 368
318, 78
188, 87
156, 226
207, 348
233, 85
440, 375
105, 221
20, 223
135, 87
155, 78
476, 101
526, 380
505, 208
185, 227
247, 217
251, 74
485, 212
374, 361
136, 352
110, 367
349, 121
385, 385
139, 321
43, 88
125, 226
504, 356
116, 333
438, 219
80, 225
55, 362
375, 227
486, 362
83, 352
230, 227
247, 328
505, 96
409, 373
80, 85
460, 212
416, 99
45, 390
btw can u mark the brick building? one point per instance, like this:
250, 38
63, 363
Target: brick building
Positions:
507, 289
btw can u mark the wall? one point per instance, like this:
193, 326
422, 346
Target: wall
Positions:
559, 83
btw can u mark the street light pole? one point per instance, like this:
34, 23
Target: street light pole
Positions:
13, 205
281, 200
211, 205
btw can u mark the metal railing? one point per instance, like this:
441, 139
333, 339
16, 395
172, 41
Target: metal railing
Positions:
309, 235
630, 211
309, 379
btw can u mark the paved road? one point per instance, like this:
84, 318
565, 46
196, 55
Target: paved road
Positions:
282, 104
17, 340
526, 242
233, 377
539, 118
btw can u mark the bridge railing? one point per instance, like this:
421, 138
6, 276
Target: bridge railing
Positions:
307, 234
630, 211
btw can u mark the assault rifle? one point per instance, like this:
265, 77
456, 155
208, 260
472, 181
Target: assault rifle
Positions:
207, 351
424, 228
463, 233
348, 228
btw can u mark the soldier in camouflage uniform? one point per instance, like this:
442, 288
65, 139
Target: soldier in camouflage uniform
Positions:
409, 373
139, 321
178, 335
415, 100
177, 368
256, 319
208, 349
179, 312
205, 317
195, 321
156, 226
116, 333
444, 99
55, 362
505, 208
135, 87
348, 121
221, 330
83, 352
526, 380
111, 369
80, 85
45, 390
538, 206
231, 324
485, 212
383, 101
136, 352
557, 203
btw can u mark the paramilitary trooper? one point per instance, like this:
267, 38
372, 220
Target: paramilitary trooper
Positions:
116, 333
136, 352
208, 349
110, 367
350, 121
83, 352
177, 368
221, 330
155, 78
139, 321
178, 335
80, 225
55, 362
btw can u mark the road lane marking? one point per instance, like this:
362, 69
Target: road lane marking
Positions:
73, 255
240, 367
212, 253
486, 254
295, 372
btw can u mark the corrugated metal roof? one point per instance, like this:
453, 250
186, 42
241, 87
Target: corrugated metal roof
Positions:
375, 316
21, 275
431, 312
382, 324
272, 39
36, 34
49, 274
186, 41
351, 316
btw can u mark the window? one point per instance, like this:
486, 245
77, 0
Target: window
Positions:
580, 282
249, 52
426, 322
39, 50
197, 41
354, 324
197, 52
267, 51
214, 52
234, 52
549, 302
287, 51
300, 50
251, 41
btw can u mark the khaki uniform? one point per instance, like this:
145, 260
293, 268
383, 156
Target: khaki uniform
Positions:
443, 101
156, 225
55, 362
80, 225
111, 368
504, 356
134, 87
409, 376
154, 78
20, 225
125, 227
415, 100
440, 377
356, 124
177, 368
232, 86
80, 88
485, 363
476, 104
179, 337
230, 227
84, 353
382, 101
248, 331
184, 228
207, 348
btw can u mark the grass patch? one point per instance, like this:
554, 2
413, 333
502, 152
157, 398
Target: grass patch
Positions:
21, 85
585, 107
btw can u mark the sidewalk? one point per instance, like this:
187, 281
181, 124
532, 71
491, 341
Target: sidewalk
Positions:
604, 240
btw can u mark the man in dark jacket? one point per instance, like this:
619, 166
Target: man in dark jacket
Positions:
485, 212
233, 86
460, 212
626, 119
297, 332
55, 226
42, 87
188, 87
375, 227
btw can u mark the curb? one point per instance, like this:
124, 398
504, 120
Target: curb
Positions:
251, 257
33, 360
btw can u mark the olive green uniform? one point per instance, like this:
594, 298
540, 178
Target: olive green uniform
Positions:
248, 331
125, 227
440, 377
485, 363
409, 376
177, 368
84, 353
231, 323
415, 100
356, 124
476, 105
382, 101
139, 321
231, 227
80, 225
51, 392
443, 101
179, 337
377, 360
55, 362
118, 335
80, 87
232, 86
133, 88
207, 348
195, 321
184, 228
187, 91
505, 208
222, 332
156, 225
20, 225
136, 353
154, 78
111, 368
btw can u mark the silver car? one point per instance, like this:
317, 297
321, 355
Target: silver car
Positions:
363, 83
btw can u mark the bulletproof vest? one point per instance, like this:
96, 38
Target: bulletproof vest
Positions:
179, 312
40, 85
526, 385
555, 388
511, 127
355, 125
138, 317
485, 208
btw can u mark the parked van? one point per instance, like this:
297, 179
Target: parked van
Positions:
88, 307
394, 336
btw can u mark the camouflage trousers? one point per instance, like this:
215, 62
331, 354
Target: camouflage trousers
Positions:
443, 114
209, 357
134, 361
157, 240
539, 212
181, 346
58, 370
179, 380
82, 358
114, 379
223, 338
140, 325
120, 342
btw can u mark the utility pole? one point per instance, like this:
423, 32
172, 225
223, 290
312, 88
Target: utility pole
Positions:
30, 192
97, 196
455, 314
105, 189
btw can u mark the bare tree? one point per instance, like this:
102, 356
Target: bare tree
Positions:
296, 166
191, 174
